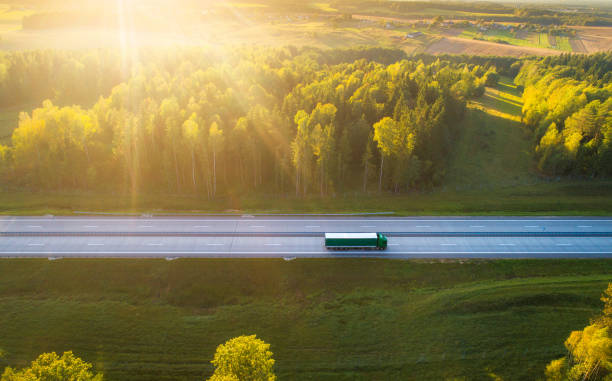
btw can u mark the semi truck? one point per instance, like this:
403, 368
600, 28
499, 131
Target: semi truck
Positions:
348, 241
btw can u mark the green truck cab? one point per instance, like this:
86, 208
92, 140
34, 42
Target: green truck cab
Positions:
348, 241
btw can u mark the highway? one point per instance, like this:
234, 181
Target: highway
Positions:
292, 236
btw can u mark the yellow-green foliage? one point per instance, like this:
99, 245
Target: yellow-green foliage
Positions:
244, 358
589, 351
569, 111
50, 366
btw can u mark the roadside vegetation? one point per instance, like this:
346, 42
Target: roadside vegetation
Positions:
324, 319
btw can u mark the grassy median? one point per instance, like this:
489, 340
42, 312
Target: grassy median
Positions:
325, 319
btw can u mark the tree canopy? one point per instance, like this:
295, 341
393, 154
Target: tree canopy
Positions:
52, 367
188, 120
244, 358
589, 354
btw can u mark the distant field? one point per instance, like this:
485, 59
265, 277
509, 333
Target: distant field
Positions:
325, 319
536, 40
11, 16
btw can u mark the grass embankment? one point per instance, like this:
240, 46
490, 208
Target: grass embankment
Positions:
325, 319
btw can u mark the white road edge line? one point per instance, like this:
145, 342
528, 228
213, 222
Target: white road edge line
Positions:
395, 253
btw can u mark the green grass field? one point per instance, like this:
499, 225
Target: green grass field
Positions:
536, 40
492, 149
325, 319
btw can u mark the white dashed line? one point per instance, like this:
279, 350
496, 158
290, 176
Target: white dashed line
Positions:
448, 244
506, 244
91, 226
423, 226
34, 226
367, 226
584, 226
393, 244
145, 226
200, 226
95, 244
36, 244
477, 226
272, 244
532, 226
256, 226
215, 244
564, 244
312, 226
154, 244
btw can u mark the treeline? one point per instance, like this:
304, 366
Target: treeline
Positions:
61, 76
281, 120
568, 106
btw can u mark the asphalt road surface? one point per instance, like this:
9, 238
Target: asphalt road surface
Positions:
292, 237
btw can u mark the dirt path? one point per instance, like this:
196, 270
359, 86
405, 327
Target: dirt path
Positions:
577, 46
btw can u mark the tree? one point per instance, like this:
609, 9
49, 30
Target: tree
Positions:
589, 351
366, 161
244, 358
51, 367
191, 132
384, 132
216, 141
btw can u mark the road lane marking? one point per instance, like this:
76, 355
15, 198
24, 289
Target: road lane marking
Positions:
393, 219
382, 255
154, 244
367, 226
312, 226
531, 226
448, 244
393, 244
584, 226
200, 226
95, 244
257, 226
506, 244
34, 226
564, 244
215, 244
272, 244
423, 226
91, 226
145, 226
477, 226
36, 244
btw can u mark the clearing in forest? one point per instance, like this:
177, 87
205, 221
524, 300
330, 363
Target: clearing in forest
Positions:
492, 150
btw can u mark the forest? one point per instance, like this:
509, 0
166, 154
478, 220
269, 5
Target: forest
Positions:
286, 120
568, 109
192, 120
